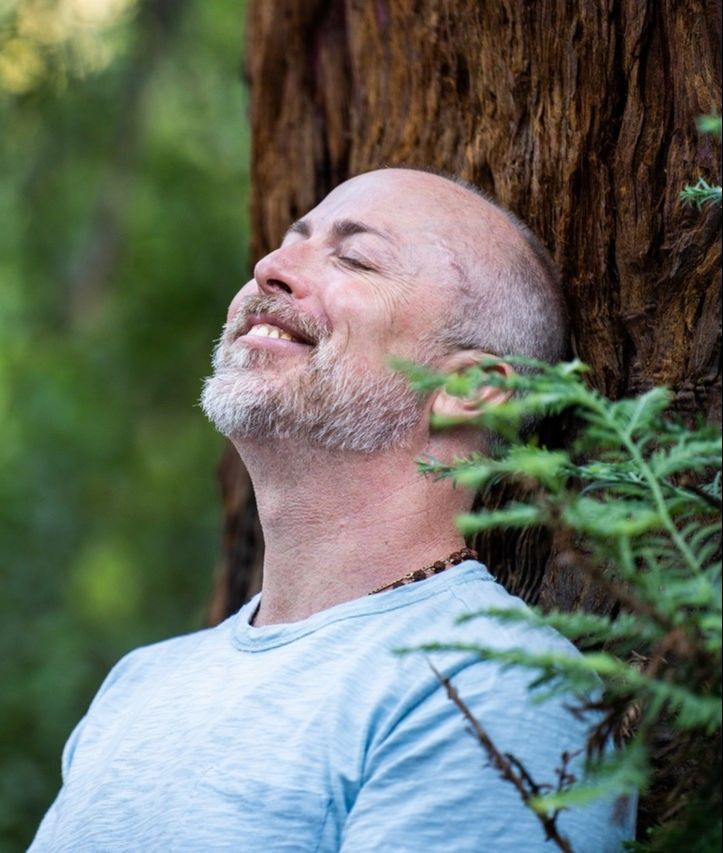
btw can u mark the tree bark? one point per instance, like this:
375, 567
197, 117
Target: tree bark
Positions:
578, 116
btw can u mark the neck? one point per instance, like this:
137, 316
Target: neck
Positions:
338, 525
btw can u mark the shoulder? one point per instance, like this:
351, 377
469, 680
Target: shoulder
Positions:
422, 741
460, 610
148, 662
429, 640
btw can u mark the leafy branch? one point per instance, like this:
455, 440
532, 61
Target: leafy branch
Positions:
635, 503
702, 193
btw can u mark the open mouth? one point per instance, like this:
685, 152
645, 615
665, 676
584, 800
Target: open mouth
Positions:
266, 330
273, 329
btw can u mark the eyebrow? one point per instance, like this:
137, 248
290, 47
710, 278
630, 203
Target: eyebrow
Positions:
340, 229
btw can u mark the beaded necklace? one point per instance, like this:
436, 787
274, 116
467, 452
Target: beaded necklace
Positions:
428, 571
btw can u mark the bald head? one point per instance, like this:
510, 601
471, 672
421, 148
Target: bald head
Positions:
506, 297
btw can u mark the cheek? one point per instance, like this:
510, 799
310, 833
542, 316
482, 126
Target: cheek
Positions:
247, 290
379, 319
360, 324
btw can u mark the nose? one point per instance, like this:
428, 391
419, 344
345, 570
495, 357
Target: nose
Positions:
283, 271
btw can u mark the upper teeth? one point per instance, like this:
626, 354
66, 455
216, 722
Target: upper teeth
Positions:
265, 330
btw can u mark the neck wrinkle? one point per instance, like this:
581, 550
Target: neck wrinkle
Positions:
337, 525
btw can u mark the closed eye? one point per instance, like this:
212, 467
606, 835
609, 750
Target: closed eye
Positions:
355, 263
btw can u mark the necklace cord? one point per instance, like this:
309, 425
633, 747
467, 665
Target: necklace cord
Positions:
429, 571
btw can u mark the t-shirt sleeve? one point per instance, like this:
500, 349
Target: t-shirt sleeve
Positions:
429, 784
46, 828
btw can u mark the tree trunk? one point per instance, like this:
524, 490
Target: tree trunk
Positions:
579, 117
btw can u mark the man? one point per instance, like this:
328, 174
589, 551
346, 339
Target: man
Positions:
293, 725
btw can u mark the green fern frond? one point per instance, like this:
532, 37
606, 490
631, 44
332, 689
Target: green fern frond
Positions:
639, 494
586, 629
701, 193
709, 124
513, 515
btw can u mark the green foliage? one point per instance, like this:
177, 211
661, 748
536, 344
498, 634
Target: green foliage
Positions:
636, 502
702, 193
710, 124
123, 187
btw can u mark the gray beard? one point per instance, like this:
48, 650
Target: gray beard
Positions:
322, 403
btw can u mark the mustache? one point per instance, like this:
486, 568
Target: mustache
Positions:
310, 328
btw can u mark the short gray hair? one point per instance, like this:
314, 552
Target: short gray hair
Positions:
514, 308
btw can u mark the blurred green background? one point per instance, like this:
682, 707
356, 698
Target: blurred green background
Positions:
123, 233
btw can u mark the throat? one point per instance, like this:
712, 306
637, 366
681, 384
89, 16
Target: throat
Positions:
338, 525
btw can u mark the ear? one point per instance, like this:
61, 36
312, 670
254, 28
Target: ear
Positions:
464, 408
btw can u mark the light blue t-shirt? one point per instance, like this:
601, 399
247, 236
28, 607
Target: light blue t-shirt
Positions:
316, 736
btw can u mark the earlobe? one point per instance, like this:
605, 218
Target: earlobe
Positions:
446, 405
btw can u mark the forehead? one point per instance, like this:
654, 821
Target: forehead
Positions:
416, 244
401, 203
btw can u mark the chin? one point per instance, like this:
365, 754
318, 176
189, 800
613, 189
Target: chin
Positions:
230, 396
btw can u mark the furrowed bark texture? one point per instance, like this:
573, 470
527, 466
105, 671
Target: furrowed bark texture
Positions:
578, 116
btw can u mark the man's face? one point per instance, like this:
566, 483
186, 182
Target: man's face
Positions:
307, 343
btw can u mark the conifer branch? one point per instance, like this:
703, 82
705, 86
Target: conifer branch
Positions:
634, 505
